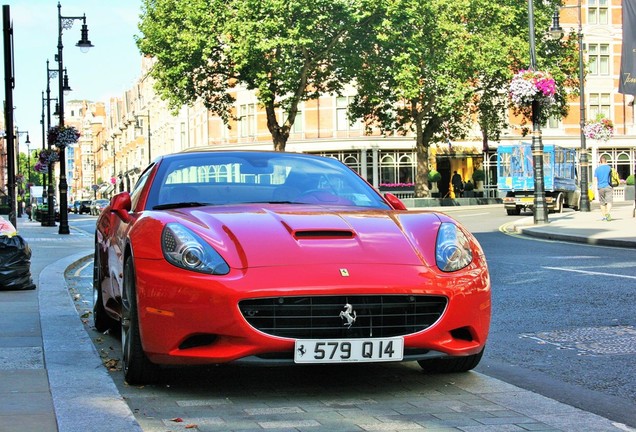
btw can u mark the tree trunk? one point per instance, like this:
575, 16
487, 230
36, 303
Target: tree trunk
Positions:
280, 134
421, 181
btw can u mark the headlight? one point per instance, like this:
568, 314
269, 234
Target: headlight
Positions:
187, 250
452, 249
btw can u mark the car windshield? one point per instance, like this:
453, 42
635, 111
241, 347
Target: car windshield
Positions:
221, 178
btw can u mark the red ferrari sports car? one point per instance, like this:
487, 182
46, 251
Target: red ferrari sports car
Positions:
239, 256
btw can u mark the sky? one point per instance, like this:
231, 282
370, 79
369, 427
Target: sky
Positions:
108, 69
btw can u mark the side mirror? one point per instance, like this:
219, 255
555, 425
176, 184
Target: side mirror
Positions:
120, 205
394, 201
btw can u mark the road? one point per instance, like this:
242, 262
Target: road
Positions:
563, 326
563, 317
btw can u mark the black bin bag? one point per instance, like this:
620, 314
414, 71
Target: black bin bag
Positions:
15, 264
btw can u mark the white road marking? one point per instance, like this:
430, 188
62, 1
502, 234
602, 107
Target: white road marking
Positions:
79, 270
591, 272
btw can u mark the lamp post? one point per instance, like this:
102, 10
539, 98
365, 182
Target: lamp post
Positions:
9, 85
27, 142
84, 44
147, 116
49, 219
540, 209
583, 156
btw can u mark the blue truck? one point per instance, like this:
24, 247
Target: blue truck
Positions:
515, 177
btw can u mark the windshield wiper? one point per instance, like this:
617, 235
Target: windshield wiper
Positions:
179, 205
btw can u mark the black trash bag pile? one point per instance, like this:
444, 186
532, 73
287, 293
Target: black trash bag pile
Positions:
15, 264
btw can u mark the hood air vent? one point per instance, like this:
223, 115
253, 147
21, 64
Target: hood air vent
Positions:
321, 234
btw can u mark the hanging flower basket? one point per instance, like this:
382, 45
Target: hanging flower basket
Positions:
40, 167
61, 137
527, 86
49, 156
600, 129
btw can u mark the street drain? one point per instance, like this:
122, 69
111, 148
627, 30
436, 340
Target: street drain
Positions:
617, 340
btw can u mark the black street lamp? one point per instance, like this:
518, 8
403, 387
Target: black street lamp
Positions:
84, 44
49, 218
28, 181
583, 156
147, 116
540, 208
27, 142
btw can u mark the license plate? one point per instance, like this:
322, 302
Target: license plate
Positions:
528, 199
348, 350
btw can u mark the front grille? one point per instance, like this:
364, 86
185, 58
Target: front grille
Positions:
323, 317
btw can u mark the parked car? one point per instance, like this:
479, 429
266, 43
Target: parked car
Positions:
76, 206
84, 206
39, 208
98, 205
217, 257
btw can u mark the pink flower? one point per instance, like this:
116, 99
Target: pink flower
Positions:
528, 85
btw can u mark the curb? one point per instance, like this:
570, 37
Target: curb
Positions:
537, 233
84, 395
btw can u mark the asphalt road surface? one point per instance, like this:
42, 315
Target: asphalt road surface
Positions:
563, 326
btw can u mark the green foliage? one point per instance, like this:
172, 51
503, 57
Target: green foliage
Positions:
434, 176
287, 51
440, 64
630, 180
479, 175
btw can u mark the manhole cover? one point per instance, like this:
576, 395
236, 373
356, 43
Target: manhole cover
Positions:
616, 340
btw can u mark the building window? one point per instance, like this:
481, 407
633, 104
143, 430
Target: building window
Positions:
397, 167
598, 12
298, 120
599, 59
247, 120
342, 121
552, 122
599, 104
388, 170
298, 123
623, 165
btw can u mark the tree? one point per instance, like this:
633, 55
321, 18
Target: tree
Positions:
441, 65
288, 51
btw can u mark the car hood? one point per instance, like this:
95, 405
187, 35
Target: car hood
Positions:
254, 236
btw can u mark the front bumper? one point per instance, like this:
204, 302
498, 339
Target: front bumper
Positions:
191, 318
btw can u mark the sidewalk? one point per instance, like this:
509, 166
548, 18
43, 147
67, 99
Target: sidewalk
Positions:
586, 227
52, 378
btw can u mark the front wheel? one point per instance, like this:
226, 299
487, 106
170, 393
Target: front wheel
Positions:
452, 364
137, 368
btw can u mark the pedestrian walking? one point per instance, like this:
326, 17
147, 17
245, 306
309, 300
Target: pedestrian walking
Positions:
458, 185
605, 190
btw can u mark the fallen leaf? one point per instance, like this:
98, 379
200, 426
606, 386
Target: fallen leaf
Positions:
177, 420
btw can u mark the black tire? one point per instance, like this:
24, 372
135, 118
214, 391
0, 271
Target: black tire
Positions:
101, 320
137, 368
559, 204
451, 364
